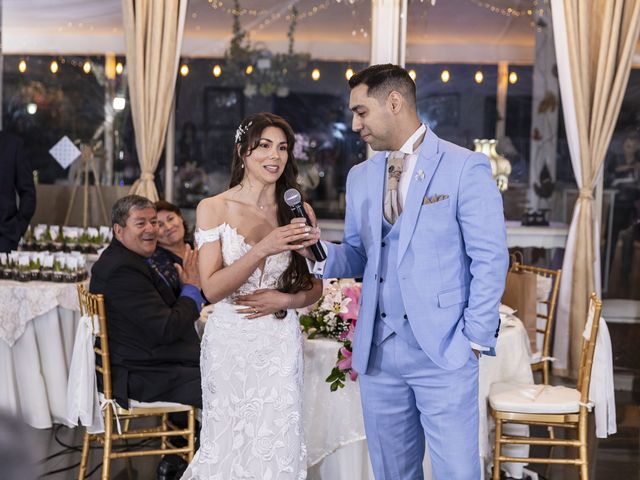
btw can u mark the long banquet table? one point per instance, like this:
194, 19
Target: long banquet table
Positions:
37, 329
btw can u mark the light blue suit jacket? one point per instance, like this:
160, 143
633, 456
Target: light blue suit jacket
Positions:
452, 255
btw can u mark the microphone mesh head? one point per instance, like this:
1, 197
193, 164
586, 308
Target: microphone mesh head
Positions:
292, 197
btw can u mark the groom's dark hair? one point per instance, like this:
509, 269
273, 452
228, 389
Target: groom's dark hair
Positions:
383, 79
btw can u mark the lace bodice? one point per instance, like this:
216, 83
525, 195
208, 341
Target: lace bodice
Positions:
234, 246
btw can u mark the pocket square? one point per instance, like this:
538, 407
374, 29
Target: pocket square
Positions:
434, 199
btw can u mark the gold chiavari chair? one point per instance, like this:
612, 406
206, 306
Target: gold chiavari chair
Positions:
550, 406
93, 304
541, 360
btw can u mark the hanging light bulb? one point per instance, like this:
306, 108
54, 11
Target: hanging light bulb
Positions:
349, 73
22, 66
184, 70
217, 71
54, 67
412, 74
315, 74
86, 67
119, 68
249, 69
445, 76
479, 76
513, 78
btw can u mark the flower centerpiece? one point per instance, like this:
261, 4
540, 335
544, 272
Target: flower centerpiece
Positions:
335, 316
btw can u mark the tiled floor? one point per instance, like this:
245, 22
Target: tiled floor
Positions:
617, 457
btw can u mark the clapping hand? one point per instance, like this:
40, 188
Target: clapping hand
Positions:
188, 272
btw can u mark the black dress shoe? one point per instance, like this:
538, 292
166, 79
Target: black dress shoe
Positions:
171, 467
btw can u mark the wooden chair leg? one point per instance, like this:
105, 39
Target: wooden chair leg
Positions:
497, 451
552, 436
582, 436
192, 431
165, 428
84, 459
106, 453
545, 372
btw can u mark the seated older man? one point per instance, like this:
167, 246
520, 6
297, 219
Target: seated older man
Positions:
153, 345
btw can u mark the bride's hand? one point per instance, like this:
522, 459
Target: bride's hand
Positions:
282, 239
262, 302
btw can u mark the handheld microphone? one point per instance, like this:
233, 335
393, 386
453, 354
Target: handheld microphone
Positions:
294, 200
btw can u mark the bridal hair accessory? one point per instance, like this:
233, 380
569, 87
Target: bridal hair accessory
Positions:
241, 131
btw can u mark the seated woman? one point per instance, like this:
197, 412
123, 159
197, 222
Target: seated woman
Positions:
172, 241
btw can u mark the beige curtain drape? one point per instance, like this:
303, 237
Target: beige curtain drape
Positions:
153, 34
595, 42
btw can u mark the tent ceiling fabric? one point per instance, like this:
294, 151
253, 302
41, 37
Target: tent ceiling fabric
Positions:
53, 26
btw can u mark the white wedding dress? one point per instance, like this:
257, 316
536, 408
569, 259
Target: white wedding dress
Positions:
252, 374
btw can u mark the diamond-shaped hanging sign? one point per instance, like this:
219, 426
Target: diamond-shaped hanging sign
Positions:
65, 152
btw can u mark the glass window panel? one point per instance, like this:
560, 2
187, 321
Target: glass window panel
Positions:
328, 37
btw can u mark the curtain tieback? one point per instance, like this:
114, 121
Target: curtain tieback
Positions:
147, 176
585, 193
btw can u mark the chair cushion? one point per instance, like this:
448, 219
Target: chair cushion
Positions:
136, 404
520, 398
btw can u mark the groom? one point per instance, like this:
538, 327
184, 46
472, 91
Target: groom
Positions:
425, 229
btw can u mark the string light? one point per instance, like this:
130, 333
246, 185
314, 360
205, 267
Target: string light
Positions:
22, 66
54, 67
217, 71
348, 73
315, 74
313, 10
249, 69
412, 74
119, 68
445, 76
86, 67
184, 70
479, 76
509, 11
119, 103
513, 78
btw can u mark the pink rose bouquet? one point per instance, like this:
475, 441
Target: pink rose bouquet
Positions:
335, 316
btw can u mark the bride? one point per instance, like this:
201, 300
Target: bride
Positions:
251, 353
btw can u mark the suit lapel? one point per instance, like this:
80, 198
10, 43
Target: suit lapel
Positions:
375, 183
427, 162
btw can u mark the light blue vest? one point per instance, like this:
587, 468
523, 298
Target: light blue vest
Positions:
391, 315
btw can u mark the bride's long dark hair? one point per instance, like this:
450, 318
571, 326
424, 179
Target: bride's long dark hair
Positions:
296, 277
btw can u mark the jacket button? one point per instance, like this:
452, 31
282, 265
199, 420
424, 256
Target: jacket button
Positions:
405, 317
383, 315
496, 335
381, 279
384, 244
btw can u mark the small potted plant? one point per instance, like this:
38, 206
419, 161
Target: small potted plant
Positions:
58, 240
58, 269
46, 273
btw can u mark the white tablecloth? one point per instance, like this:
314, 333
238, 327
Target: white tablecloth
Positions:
333, 421
37, 329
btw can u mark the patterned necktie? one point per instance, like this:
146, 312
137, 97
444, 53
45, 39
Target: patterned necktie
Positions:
392, 208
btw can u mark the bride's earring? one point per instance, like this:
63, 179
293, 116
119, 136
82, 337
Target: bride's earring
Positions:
242, 166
